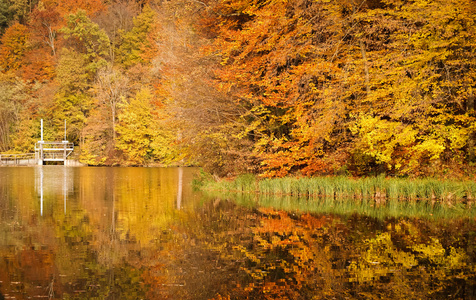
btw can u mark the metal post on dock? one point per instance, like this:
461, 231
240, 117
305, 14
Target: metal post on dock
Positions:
64, 152
41, 191
40, 159
65, 143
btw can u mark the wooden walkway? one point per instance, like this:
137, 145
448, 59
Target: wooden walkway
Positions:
44, 152
18, 159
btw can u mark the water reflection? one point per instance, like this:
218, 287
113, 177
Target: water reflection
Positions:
142, 233
77, 232
58, 181
179, 188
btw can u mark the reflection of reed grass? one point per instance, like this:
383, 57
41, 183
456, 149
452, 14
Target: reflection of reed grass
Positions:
379, 188
391, 208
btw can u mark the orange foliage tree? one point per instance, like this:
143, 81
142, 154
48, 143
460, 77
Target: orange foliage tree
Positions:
366, 86
65, 7
15, 43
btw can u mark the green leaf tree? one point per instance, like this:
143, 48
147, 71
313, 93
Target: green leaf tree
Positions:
138, 45
87, 39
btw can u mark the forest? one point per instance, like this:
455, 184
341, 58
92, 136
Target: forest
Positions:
271, 87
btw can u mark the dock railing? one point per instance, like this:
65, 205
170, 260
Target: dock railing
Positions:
44, 152
18, 159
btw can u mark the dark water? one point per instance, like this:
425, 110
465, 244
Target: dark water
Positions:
142, 233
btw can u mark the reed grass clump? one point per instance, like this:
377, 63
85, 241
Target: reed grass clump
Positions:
380, 188
244, 183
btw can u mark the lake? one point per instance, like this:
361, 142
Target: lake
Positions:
144, 233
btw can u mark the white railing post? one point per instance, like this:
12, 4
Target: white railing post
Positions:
40, 160
65, 144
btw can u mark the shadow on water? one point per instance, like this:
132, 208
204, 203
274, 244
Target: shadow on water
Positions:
143, 233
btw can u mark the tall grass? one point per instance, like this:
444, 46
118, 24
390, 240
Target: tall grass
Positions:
379, 188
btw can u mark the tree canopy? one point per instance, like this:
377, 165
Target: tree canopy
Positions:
271, 87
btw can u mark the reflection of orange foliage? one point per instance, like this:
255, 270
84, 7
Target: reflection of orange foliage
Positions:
290, 255
280, 225
312, 222
37, 270
280, 222
154, 280
37, 265
268, 211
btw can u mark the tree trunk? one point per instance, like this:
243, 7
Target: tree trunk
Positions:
366, 67
471, 137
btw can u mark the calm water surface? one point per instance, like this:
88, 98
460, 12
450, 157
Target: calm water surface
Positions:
142, 233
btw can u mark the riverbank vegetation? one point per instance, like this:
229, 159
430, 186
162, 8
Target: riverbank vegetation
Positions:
274, 88
374, 191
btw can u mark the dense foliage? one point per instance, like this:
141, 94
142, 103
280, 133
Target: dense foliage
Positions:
274, 87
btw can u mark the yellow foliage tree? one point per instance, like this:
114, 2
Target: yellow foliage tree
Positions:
134, 133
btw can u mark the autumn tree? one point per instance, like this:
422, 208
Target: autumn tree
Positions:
327, 86
86, 38
90, 7
267, 62
139, 44
421, 105
86, 50
116, 20
111, 87
5, 16
40, 61
20, 9
200, 116
134, 131
39, 104
110, 92
45, 22
14, 44
13, 95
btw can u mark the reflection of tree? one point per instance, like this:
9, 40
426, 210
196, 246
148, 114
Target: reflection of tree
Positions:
65, 255
192, 262
123, 238
228, 252
292, 257
416, 266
